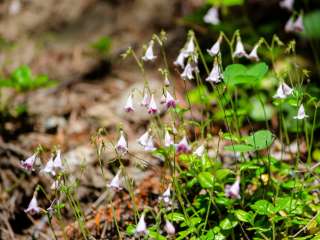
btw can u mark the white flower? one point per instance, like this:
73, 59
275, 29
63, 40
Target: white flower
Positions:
183, 146
253, 56
49, 168
212, 16
233, 191
199, 151
239, 52
167, 139
298, 24
166, 81
122, 145
180, 59
215, 74
145, 100
190, 47
143, 140
54, 185
283, 91
165, 197
57, 162
149, 56
289, 25
163, 98
129, 105
15, 7
287, 4
152, 108
141, 226
150, 145
215, 49
29, 162
170, 101
116, 182
187, 73
169, 228
301, 114
33, 206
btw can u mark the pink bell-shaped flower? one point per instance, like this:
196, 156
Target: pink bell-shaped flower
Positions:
167, 139
239, 52
116, 182
215, 75
212, 16
199, 151
149, 55
253, 55
301, 113
298, 24
180, 59
141, 228
129, 105
283, 91
33, 207
287, 4
28, 164
233, 191
152, 108
170, 101
215, 49
183, 146
169, 228
122, 145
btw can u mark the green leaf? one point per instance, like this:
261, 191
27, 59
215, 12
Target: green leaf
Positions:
228, 223
263, 207
206, 180
239, 148
243, 216
220, 174
226, 3
260, 139
156, 235
198, 95
311, 25
236, 74
102, 45
130, 229
175, 217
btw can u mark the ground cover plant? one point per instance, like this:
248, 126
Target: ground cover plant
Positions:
232, 127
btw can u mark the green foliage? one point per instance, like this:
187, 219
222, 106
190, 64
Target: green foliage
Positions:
236, 74
23, 80
311, 24
102, 45
226, 3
